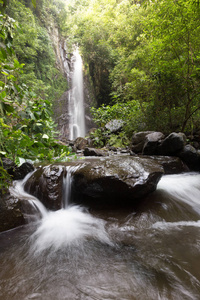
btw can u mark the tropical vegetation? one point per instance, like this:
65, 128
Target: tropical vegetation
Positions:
28, 86
143, 57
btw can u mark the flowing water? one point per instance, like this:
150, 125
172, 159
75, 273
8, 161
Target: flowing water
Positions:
76, 100
123, 254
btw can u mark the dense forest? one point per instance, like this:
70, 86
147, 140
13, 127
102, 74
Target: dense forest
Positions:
142, 58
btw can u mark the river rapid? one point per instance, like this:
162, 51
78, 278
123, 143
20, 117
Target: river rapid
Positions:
152, 253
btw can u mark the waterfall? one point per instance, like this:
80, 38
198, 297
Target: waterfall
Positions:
67, 184
76, 100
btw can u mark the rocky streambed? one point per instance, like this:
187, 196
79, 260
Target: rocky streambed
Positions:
93, 181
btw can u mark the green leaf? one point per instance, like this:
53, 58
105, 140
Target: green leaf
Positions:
34, 3
7, 107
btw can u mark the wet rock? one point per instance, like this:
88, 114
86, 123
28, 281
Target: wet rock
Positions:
152, 140
138, 141
115, 125
191, 157
171, 164
21, 171
11, 215
46, 185
80, 143
172, 144
16, 172
117, 179
95, 152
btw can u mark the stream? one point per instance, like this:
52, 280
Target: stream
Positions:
78, 253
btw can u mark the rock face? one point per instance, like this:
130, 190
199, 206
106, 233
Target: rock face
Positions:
171, 164
103, 181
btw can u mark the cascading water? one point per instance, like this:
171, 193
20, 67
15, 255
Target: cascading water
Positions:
76, 100
69, 226
154, 253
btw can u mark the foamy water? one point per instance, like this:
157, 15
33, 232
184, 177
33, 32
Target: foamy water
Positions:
183, 187
67, 227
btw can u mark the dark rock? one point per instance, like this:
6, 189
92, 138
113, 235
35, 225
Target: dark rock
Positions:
17, 173
152, 140
117, 179
115, 125
191, 157
46, 185
138, 141
171, 164
100, 181
21, 171
172, 144
95, 152
11, 214
80, 143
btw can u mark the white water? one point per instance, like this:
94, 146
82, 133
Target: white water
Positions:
76, 100
183, 187
17, 190
67, 184
66, 227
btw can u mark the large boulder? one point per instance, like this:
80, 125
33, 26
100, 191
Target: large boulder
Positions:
152, 141
172, 144
138, 141
171, 164
191, 157
117, 179
95, 152
97, 181
80, 143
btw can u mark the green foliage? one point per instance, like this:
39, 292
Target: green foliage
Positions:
99, 137
5, 178
130, 112
26, 126
118, 140
144, 50
33, 46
